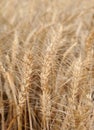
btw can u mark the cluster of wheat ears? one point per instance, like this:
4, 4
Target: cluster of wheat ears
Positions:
46, 65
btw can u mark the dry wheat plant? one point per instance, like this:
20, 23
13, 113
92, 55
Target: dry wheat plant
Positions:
46, 64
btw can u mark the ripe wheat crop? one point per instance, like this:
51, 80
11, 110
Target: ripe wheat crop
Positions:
46, 65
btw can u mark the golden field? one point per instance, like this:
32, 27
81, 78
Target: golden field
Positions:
46, 65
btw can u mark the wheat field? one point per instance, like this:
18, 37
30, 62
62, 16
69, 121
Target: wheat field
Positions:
46, 65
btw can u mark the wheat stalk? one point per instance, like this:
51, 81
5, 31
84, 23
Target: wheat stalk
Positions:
47, 65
